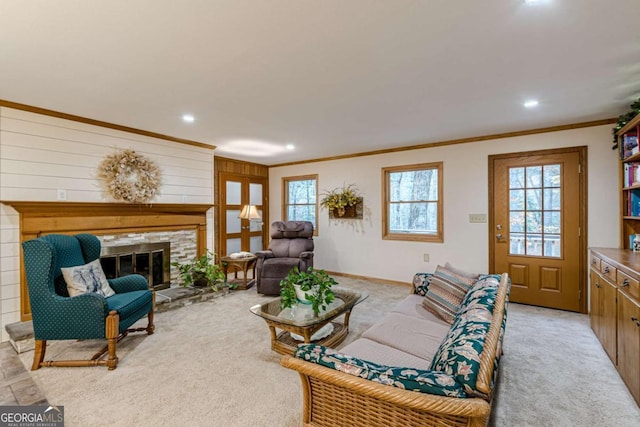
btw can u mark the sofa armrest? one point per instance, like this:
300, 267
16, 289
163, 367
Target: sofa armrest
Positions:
332, 389
421, 283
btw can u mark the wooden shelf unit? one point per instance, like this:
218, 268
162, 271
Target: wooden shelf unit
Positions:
629, 189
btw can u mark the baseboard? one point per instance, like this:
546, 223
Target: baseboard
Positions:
370, 279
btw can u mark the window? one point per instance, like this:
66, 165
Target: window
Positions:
300, 200
412, 202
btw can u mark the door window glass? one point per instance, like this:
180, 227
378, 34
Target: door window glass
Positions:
234, 192
255, 194
534, 211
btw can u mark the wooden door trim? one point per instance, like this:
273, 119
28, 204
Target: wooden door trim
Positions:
582, 206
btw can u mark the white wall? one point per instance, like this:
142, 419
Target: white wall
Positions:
356, 246
40, 154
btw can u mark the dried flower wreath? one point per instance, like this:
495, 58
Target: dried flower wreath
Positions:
130, 176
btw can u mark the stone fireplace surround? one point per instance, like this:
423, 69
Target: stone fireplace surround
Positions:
110, 221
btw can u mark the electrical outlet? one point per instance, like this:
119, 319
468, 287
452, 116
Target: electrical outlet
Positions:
477, 217
425, 257
61, 194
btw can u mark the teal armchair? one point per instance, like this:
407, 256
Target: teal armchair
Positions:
56, 316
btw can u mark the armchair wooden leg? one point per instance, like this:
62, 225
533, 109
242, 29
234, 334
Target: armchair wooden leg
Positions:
150, 327
112, 326
38, 354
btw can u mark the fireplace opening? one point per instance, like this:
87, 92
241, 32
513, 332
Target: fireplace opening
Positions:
151, 260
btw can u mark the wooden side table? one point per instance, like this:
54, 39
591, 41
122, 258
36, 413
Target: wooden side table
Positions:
240, 264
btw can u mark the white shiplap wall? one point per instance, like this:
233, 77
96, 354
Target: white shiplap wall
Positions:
40, 155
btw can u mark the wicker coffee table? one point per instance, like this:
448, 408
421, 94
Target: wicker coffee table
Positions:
301, 321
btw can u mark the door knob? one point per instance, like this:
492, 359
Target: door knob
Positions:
499, 236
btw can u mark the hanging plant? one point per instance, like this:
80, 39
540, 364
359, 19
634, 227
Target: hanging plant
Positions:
340, 199
130, 176
623, 120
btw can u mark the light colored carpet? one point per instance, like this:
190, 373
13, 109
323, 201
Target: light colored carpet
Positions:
210, 364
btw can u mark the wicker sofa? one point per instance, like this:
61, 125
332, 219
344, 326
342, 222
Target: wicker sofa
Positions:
391, 375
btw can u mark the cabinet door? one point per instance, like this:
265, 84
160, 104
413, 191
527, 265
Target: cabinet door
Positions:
595, 306
608, 293
629, 344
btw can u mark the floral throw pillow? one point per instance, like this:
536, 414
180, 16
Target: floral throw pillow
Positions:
446, 291
431, 382
87, 278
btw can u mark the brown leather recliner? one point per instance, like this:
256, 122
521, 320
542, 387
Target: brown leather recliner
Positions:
291, 246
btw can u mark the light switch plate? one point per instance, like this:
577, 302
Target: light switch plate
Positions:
477, 218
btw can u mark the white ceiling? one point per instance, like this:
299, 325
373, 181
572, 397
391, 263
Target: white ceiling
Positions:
331, 77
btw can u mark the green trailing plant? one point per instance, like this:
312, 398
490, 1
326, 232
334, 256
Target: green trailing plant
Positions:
316, 284
202, 271
624, 119
340, 198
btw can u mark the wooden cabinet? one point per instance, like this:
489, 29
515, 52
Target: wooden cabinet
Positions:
629, 343
603, 308
614, 310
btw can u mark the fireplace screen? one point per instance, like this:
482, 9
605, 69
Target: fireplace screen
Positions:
151, 260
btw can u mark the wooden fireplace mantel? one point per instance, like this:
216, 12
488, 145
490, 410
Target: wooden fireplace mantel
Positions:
40, 218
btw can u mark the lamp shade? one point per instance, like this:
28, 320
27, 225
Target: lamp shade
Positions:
249, 212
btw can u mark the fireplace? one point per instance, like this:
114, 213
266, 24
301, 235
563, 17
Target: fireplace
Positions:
107, 219
151, 260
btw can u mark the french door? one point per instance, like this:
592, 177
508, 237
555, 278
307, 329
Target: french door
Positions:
537, 226
239, 234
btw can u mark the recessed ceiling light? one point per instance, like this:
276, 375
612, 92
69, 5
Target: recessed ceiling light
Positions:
289, 146
188, 118
531, 103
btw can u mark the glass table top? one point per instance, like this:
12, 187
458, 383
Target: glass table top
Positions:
302, 314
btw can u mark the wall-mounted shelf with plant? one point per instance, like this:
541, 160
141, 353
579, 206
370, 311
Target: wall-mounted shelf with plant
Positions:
343, 202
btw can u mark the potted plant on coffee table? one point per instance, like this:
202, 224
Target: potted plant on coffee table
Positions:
202, 271
307, 287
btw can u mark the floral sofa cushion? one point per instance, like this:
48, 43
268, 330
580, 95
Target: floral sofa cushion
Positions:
421, 283
406, 378
459, 353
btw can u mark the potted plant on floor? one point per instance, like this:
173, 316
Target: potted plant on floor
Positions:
307, 287
202, 271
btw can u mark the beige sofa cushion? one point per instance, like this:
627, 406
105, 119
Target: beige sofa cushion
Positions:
413, 335
412, 306
382, 354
